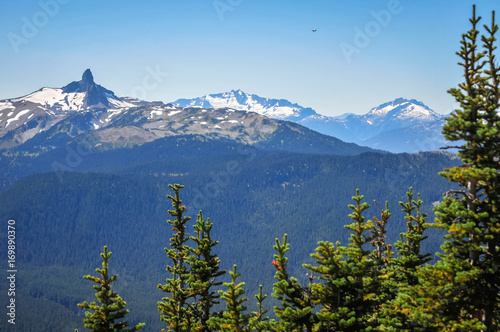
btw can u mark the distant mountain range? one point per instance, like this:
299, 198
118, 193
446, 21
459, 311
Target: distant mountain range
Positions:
416, 126
236, 99
84, 112
83, 106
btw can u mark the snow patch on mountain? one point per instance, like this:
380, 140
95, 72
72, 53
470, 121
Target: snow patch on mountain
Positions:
54, 98
17, 117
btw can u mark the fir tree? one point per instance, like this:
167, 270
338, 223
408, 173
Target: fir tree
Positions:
175, 309
295, 311
204, 272
350, 286
362, 282
106, 316
233, 319
382, 256
401, 275
330, 292
260, 322
470, 215
410, 246
382, 253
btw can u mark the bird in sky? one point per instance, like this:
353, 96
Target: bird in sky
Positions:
314, 30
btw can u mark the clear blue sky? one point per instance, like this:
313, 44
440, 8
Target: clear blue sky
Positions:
260, 46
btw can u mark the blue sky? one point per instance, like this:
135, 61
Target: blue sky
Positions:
165, 50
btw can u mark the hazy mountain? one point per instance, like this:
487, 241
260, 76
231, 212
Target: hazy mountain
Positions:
398, 117
401, 125
236, 99
416, 126
87, 114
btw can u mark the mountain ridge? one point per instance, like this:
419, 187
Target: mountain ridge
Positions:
275, 108
24, 117
365, 129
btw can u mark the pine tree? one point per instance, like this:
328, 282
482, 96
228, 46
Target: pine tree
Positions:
330, 292
295, 311
383, 251
204, 272
106, 316
410, 256
233, 319
362, 282
382, 256
470, 215
260, 322
194, 272
350, 287
175, 309
401, 275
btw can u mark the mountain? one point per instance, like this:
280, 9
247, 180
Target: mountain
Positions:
375, 129
236, 99
83, 113
401, 125
93, 95
24, 117
414, 125
49, 118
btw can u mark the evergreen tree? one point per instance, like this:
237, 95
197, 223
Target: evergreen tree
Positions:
470, 215
260, 322
362, 282
106, 316
194, 272
401, 275
204, 272
409, 246
382, 255
349, 287
175, 309
295, 311
233, 319
330, 292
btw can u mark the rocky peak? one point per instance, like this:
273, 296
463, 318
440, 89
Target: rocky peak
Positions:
87, 80
96, 95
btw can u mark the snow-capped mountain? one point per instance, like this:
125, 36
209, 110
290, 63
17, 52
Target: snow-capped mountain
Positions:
403, 110
41, 109
401, 125
408, 115
75, 96
236, 99
397, 114
87, 113
91, 94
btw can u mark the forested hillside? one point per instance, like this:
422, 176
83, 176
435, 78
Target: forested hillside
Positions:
66, 218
